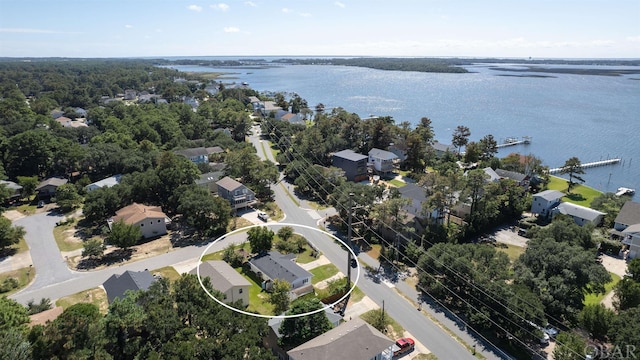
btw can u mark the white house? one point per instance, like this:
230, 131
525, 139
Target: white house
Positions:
382, 161
274, 265
544, 201
150, 219
580, 214
632, 239
108, 182
233, 286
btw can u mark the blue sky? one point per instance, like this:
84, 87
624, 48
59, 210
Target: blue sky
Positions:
493, 28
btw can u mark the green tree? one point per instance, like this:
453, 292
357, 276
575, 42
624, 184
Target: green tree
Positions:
298, 330
460, 137
14, 345
572, 167
93, 248
260, 239
279, 295
123, 235
488, 146
633, 269
569, 346
626, 294
625, 331
231, 256
596, 319
9, 235
207, 214
67, 197
100, 204
12, 315
284, 233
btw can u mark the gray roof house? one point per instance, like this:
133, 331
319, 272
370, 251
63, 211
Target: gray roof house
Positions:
441, 149
580, 214
521, 179
118, 284
199, 154
544, 201
629, 215
632, 240
355, 337
493, 175
208, 180
16, 190
233, 286
238, 195
108, 182
274, 265
383, 161
353, 164
49, 186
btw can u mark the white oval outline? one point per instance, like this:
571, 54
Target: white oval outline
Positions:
278, 316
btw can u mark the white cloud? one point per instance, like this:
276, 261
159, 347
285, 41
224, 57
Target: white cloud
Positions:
633, 38
340, 4
251, 3
231, 29
195, 8
129, 26
221, 7
287, 10
28, 31
305, 14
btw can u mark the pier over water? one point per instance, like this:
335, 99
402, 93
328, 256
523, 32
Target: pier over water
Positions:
590, 165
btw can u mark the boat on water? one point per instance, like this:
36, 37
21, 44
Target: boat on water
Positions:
625, 191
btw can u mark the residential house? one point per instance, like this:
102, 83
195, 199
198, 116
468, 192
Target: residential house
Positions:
191, 101
580, 214
208, 180
271, 340
150, 219
544, 201
632, 240
56, 114
521, 179
48, 187
238, 195
493, 175
382, 161
274, 265
200, 154
400, 150
293, 118
353, 164
108, 182
118, 284
16, 190
441, 149
130, 94
233, 286
265, 108
355, 337
413, 211
628, 215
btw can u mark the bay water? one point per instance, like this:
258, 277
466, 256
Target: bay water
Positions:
591, 117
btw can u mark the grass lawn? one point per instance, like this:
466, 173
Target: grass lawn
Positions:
258, 299
238, 223
23, 275
323, 272
218, 255
429, 356
95, 296
592, 299
274, 149
167, 272
374, 252
397, 183
394, 329
273, 210
580, 194
21, 246
512, 251
305, 256
61, 238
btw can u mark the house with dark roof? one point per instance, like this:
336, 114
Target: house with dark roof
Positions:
200, 154
233, 286
544, 201
628, 215
150, 219
417, 195
521, 179
355, 337
208, 180
353, 164
118, 284
274, 265
442, 149
238, 195
382, 161
580, 214
48, 187
108, 182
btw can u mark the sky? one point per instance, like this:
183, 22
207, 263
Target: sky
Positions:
415, 28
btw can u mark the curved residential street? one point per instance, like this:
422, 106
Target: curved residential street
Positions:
55, 280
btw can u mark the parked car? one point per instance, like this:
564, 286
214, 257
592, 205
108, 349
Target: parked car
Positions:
263, 216
403, 346
551, 331
40, 203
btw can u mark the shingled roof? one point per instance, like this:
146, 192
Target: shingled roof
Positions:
118, 284
278, 266
135, 212
629, 214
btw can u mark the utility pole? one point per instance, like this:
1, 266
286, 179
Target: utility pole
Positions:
349, 242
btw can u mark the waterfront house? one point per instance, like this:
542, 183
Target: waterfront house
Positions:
238, 195
628, 215
199, 155
353, 164
150, 219
274, 265
580, 214
632, 240
493, 175
118, 284
442, 149
233, 286
544, 201
355, 337
382, 161
108, 182
521, 179
48, 187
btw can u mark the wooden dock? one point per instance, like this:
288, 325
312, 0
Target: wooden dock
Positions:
514, 141
590, 165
